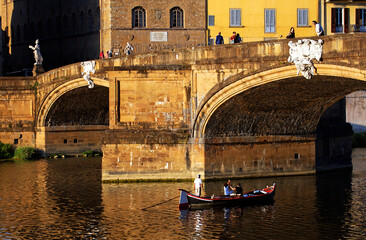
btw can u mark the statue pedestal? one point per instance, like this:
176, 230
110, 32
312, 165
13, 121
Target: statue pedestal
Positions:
37, 69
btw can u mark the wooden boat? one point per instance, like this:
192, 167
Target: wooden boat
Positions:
262, 196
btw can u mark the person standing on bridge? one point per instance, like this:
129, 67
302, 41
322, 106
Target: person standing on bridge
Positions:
237, 38
219, 39
198, 185
318, 28
232, 38
101, 55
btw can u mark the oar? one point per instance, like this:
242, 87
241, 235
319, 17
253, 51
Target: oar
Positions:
144, 209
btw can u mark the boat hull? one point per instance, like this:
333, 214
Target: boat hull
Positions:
257, 197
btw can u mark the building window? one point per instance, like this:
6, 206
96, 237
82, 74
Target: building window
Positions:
211, 20
270, 20
176, 17
90, 21
302, 17
65, 141
75, 140
138, 17
360, 20
340, 20
235, 17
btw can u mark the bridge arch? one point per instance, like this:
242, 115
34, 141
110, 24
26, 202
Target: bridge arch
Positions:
59, 91
348, 79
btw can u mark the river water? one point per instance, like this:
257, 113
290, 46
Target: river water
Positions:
65, 199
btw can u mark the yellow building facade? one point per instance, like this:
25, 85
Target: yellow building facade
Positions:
343, 16
261, 19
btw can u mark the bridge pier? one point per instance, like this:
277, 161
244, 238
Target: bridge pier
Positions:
166, 155
150, 155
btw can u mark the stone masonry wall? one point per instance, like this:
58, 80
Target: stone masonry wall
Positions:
17, 111
243, 159
117, 27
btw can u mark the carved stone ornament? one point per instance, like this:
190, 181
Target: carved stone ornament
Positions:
89, 68
157, 14
302, 54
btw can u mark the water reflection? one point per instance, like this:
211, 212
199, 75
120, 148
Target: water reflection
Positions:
65, 199
50, 198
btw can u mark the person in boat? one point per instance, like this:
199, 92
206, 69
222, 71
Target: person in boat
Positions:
238, 189
228, 189
229, 183
198, 185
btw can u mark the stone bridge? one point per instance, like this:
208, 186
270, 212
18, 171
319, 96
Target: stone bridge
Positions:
221, 111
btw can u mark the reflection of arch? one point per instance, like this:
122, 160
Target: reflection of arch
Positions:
238, 84
59, 91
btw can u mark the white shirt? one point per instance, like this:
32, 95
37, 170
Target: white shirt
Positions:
318, 29
197, 182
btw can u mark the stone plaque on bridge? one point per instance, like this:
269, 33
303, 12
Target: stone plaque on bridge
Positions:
158, 36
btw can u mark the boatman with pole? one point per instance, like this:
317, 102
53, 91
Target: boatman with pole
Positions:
198, 185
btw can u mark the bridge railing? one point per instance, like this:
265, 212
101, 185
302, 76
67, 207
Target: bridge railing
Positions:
335, 47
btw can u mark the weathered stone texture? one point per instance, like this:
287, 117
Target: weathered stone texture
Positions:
72, 139
117, 27
187, 105
243, 159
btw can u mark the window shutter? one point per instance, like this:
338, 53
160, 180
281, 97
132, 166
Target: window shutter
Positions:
299, 18
235, 17
267, 23
273, 21
211, 20
232, 17
270, 20
238, 16
346, 20
334, 20
305, 15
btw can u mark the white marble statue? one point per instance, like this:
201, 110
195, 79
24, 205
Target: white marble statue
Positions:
89, 68
128, 49
302, 54
37, 53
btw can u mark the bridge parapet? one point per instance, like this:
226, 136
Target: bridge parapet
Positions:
251, 56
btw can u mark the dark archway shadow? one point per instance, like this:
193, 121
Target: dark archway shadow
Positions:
51, 22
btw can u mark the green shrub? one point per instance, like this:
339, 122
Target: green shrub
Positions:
359, 140
6, 151
25, 153
88, 153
